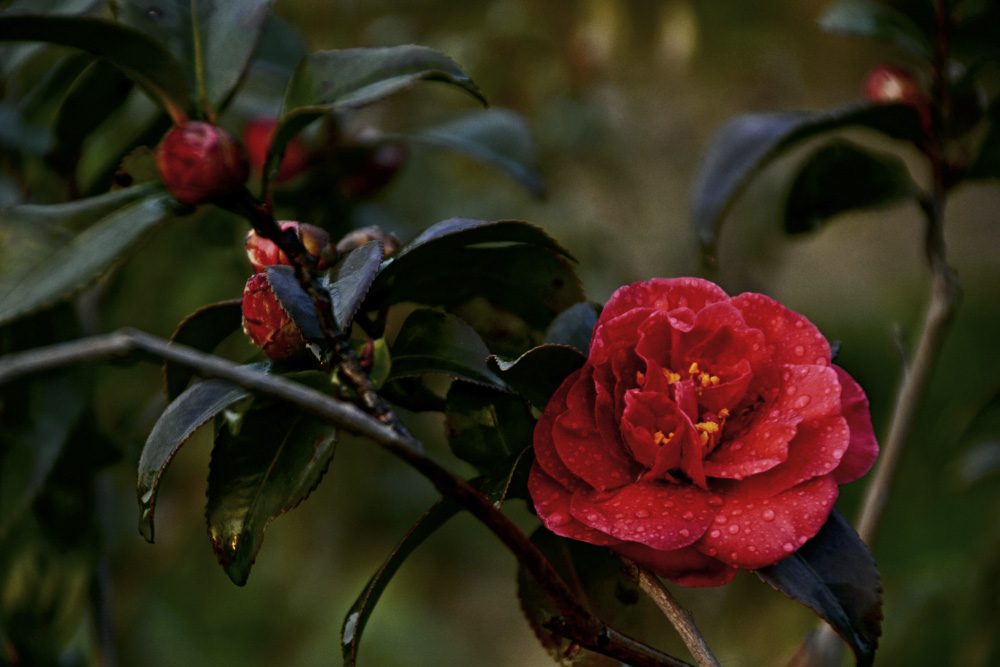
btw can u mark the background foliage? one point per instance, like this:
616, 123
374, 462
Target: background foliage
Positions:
624, 98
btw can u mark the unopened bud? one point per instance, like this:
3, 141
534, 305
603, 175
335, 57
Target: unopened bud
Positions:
266, 323
257, 136
359, 237
199, 162
888, 83
265, 252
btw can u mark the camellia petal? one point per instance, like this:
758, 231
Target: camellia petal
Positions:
658, 514
545, 449
552, 502
863, 448
751, 533
663, 294
791, 338
686, 566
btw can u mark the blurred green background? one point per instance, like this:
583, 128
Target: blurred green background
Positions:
624, 97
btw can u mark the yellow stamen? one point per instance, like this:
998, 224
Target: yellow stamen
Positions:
671, 376
693, 368
723, 413
640, 378
660, 439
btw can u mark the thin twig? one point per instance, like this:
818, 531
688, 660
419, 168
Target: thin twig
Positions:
678, 616
577, 622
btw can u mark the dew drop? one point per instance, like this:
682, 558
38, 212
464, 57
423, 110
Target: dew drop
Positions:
802, 401
641, 514
715, 501
791, 389
788, 547
737, 446
721, 519
688, 516
752, 549
734, 555
799, 324
668, 504
154, 13
799, 350
640, 529
803, 539
746, 531
593, 517
684, 532
733, 529
774, 414
838, 454
559, 519
713, 551
768, 515
737, 512
714, 533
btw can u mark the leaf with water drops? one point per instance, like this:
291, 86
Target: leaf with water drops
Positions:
263, 465
189, 412
834, 574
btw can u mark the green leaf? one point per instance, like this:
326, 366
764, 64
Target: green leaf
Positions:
485, 426
349, 280
204, 329
295, 301
141, 58
987, 162
357, 617
876, 20
189, 412
834, 574
265, 468
28, 451
229, 32
745, 145
95, 94
574, 326
599, 579
507, 279
840, 177
497, 137
434, 343
70, 267
537, 373
351, 78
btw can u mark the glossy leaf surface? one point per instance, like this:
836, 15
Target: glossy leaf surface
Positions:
876, 20
834, 574
497, 137
59, 270
840, 177
485, 426
350, 279
749, 142
351, 78
140, 57
204, 330
189, 412
262, 466
537, 373
574, 326
294, 300
434, 343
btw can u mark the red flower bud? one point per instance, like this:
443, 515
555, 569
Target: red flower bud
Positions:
266, 323
888, 83
257, 136
199, 162
265, 252
368, 169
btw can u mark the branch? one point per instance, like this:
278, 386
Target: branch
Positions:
678, 616
577, 622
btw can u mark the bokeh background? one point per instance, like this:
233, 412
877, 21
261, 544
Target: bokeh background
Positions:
624, 97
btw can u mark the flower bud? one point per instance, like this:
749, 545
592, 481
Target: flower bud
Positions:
200, 161
265, 252
368, 169
359, 237
888, 83
257, 136
266, 323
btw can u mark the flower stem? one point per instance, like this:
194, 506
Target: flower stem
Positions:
677, 615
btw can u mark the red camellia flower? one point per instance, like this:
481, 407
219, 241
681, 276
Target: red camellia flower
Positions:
264, 252
257, 137
266, 323
705, 433
200, 161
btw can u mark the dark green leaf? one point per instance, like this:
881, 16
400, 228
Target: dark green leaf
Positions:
350, 279
834, 574
204, 329
29, 451
364, 605
574, 326
142, 59
498, 137
876, 20
263, 468
987, 162
192, 409
432, 342
70, 267
508, 479
485, 426
352, 78
747, 143
228, 32
840, 177
599, 578
537, 373
295, 301
95, 94
506, 279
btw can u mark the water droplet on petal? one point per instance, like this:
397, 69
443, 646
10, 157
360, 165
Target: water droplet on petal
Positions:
734, 555
733, 529
799, 350
713, 551
803, 539
640, 529
641, 514
684, 532
791, 389
559, 519
802, 401
752, 549
788, 547
715, 501
768, 515
714, 533
737, 446
688, 516
668, 504
838, 454
737, 512
721, 519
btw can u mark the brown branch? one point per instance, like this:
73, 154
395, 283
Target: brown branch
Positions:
576, 623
